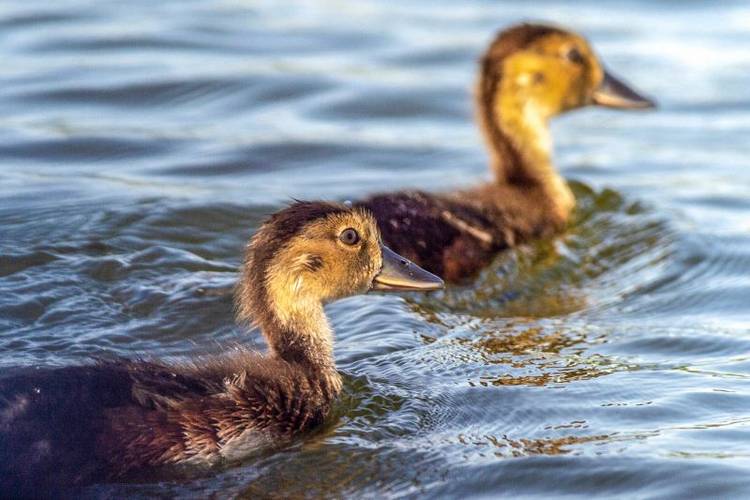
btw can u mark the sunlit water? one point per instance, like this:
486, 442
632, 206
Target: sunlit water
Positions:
142, 143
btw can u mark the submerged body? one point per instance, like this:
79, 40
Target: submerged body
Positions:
529, 74
76, 425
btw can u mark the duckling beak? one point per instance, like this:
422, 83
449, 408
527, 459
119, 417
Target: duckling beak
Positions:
614, 93
400, 274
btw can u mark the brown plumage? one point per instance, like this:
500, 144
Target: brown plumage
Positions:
529, 74
75, 425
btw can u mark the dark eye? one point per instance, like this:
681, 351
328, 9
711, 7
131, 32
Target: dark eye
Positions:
574, 55
349, 237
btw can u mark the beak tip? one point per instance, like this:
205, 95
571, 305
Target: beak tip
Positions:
439, 284
645, 103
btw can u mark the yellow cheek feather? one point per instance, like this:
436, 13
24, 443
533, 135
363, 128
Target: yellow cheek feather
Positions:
290, 298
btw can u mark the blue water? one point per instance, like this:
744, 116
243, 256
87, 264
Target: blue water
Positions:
142, 143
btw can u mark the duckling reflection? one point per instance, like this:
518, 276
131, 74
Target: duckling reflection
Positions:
79, 424
529, 74
507, 447
524, 353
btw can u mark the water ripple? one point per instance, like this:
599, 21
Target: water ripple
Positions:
142, 144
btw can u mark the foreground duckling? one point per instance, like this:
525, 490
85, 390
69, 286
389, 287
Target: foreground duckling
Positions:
78, 424
529, 74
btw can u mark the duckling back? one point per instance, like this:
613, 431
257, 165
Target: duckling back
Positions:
73, 426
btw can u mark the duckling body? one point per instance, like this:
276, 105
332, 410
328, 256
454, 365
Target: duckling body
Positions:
75, 425
87, 423
457, 234
529, 74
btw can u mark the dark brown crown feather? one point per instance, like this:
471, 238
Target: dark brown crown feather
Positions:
517, 38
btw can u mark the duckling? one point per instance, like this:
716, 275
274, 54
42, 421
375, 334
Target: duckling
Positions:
529, 74
75, 425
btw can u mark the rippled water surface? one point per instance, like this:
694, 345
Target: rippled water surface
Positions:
142, 143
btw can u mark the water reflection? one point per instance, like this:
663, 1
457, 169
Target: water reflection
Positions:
507, 447
533, 355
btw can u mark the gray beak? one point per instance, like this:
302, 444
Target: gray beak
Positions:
400, 274
614, 93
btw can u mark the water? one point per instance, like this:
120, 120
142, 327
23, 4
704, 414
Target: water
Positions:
142, 143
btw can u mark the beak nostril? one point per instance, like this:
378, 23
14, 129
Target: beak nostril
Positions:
404, 262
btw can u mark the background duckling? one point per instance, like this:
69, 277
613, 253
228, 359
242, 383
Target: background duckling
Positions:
78, 424
529, 74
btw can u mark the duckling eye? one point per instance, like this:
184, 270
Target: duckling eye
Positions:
349, 237
574, 55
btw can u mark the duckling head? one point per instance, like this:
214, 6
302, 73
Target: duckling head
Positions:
312, 253
529, 74
552, 70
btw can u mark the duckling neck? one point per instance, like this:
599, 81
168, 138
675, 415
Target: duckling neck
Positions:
520, 144
297, 331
